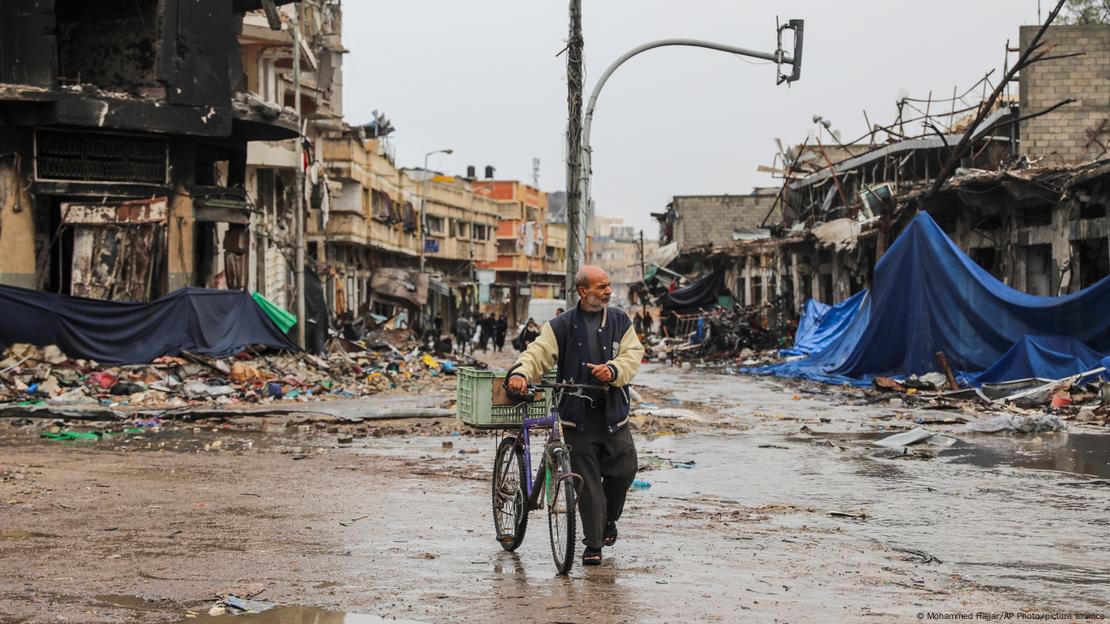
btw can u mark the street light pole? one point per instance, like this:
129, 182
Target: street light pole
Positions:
779, 56
298, 186
424, 205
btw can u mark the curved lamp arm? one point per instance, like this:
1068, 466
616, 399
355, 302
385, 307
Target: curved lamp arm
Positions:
778, 56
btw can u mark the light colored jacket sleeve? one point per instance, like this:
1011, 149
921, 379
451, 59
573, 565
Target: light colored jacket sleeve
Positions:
540, 356
627, 362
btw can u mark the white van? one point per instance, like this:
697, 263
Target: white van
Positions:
543, 310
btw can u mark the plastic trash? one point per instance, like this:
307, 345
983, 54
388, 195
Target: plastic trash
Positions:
641, 485
126, 387
917, 436
199, 390
1019, 424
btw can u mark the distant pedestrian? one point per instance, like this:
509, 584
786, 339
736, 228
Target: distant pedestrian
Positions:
463, 331
527, 335
638, 323
500, 330
648, 323
487, 324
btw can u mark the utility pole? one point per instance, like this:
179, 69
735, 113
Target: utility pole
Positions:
575, 87
299, 185
424, 204
643, 273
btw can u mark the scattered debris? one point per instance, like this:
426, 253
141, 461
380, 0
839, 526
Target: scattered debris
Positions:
916, 436
848, 514
919, 556
1019, 424
234, 605
43, 379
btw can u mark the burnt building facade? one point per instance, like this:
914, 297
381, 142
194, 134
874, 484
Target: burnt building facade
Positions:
124, 127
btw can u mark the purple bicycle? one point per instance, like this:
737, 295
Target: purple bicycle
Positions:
555, 486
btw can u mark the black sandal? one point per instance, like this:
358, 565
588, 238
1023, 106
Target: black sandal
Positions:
591, 556
610, 536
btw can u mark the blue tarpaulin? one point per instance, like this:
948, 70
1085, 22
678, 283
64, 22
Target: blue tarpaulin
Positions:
217, 323
929, 296
821, 323
1033, 356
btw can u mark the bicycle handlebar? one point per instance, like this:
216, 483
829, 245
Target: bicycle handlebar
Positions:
566, 386
530, 395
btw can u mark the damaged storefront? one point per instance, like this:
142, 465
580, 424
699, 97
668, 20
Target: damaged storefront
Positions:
122, 165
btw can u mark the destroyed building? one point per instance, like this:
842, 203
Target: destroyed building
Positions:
124, 131
1026, 199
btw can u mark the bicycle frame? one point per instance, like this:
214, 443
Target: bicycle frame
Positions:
533, 486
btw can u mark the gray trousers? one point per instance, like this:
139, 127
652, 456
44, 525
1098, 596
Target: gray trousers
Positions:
607, 463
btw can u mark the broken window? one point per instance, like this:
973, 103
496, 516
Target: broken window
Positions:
987, 257
99, 157
1094, 260
1092, 211
109, 43
1039, 270
1034, 216
435, 225
988, 223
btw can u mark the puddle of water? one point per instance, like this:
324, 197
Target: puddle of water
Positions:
298, 615
1077, 453
127, 602
950, 506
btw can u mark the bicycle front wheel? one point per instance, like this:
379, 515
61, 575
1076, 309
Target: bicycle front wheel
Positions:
562, 505
510, 505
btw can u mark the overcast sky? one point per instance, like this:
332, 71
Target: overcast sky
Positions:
482, 77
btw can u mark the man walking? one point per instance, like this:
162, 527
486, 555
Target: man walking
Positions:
592, 344
500, 329
462, 334
486, 324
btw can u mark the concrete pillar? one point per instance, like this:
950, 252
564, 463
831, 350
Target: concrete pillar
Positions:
1061, 247
836, 277
180, 231
765, 273
17, 228
780, 272
815, 277
748, 271
796, 280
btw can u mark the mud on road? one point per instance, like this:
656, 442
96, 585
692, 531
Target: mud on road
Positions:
765, 504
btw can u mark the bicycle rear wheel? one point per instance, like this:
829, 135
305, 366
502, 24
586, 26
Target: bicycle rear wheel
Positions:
510, 505
561, 510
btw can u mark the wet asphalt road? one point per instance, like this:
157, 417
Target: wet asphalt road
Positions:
771, 522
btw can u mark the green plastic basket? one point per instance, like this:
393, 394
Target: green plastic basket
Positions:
474, 401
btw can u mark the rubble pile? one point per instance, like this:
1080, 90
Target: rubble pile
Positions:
724, 337
40, 377
1028, 401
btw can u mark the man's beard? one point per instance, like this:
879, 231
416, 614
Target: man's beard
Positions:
593, 303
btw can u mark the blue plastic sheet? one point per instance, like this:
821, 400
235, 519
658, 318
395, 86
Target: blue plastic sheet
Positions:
822, 323
217, 323
928, 296
1051, 357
